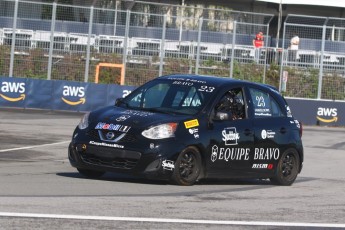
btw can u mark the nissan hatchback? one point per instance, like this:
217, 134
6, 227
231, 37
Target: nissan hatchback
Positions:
183, 128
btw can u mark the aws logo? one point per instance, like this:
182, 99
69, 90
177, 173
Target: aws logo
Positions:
327, 112
13, 87
72, 91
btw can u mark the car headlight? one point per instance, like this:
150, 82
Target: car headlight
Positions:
84, 122
160, 131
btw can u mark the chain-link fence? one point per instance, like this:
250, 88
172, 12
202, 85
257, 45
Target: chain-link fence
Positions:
317, 63
145, 40
68, 42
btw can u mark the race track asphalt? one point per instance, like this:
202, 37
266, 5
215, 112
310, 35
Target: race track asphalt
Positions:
40, 190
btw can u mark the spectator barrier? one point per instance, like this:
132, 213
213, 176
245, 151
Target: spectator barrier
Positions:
78, 96
58, 94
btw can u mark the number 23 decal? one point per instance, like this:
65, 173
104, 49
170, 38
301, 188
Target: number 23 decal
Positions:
205, 88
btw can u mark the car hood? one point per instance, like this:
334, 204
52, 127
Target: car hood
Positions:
130, 118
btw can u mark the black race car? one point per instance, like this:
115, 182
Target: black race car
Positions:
185, 127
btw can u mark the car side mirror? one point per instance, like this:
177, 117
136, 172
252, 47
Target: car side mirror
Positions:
118, 101
222, 116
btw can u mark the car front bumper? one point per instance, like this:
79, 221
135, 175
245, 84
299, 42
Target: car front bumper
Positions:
150, 163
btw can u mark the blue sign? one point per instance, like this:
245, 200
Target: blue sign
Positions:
317, 112
80, 96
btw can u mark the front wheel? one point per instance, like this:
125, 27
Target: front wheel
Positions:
187, 167
287, 168
90, 173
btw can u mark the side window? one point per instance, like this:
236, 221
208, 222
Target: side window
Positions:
232, 103
151, 98
192, 98
187, 98
264, 104
135, 101
276, 110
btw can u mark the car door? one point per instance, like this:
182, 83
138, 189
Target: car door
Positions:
270, 127
231, 134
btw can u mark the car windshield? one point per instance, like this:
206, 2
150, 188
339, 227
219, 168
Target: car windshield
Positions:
172, 96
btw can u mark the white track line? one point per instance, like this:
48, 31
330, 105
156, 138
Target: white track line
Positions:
33, 146
162, 220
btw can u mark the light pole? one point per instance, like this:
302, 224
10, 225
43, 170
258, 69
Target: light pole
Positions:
182, 12
280, 15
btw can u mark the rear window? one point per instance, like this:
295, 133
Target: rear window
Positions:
264, 104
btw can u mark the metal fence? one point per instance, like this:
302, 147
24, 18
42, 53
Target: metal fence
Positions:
145, 40
318, 66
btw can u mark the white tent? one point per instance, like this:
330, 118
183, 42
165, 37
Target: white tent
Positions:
330, 3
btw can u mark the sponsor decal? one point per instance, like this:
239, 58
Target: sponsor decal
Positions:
187, 80
327, 115
230, 136
194, 132
191, 102
106, 144
168, 165
191, 123
13, 87
115, 127
267, 134
239, 154
137, 113
125, 93
262, 166
227, 154
214, 154
263, 112
186, 83
266, 154
288, 111
123, 118
261, 101
72, 91
207, 89
297, 124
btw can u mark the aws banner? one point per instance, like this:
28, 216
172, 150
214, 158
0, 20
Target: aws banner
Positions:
79, 96
316, 112
13, 92
58, 95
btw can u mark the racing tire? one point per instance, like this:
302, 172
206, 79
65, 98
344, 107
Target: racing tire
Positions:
90, 173
287, 168
187, 167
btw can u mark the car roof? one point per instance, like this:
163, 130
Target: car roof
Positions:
218, 80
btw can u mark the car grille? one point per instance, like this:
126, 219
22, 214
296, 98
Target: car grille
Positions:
95, 134
114, 158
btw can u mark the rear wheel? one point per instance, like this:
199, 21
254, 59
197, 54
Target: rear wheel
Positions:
90, 173
187, 167
287, 168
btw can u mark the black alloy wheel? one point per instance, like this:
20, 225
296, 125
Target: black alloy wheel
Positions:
287, 168
187, 167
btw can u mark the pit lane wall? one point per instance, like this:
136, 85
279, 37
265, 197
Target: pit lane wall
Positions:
78, 96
